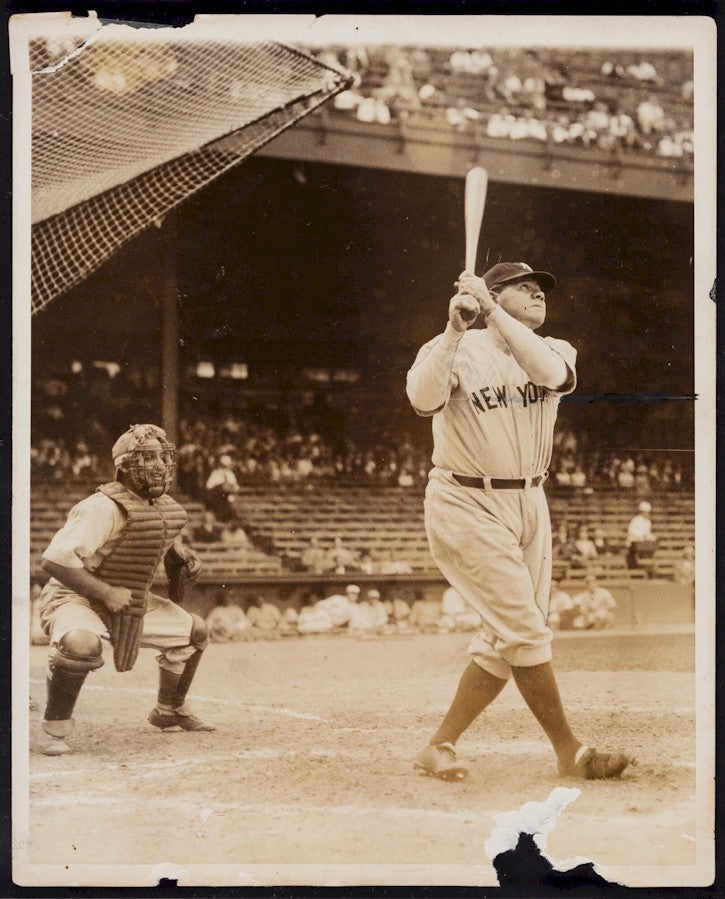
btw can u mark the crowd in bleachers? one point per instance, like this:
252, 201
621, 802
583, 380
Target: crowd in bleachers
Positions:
354, 612
370, 613
79, 411
525, 94
576, 465
218, 453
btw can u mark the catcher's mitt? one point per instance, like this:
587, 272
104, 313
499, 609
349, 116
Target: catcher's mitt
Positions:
182, 567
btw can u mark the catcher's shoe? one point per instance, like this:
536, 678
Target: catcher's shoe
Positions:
52, 737
167, 720
592, 765
439, 760
54, 745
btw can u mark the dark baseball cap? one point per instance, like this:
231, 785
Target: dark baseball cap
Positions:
503, 272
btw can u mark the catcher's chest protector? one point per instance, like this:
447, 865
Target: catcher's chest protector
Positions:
150, 527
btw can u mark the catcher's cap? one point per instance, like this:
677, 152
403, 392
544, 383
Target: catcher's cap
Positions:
374, 594
504, 272
134, 438
352, 588
645, 507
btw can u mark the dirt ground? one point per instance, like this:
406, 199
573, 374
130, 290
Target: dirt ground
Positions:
308, 778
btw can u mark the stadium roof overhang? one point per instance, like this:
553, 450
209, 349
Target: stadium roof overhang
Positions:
417, 145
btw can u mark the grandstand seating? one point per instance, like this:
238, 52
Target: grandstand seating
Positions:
280, 521
584, 69
50, 502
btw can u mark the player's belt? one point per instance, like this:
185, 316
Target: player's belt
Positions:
499, 483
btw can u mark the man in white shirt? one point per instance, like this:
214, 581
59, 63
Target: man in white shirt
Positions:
595, 606
641, 542
102, 564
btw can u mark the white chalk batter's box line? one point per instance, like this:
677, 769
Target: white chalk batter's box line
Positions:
684, 711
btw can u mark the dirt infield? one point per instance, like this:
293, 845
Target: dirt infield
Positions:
311, 765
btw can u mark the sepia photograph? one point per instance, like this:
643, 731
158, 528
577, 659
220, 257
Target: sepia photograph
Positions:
363, 451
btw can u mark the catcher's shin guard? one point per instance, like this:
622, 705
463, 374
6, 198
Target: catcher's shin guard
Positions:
77, 653
174, 687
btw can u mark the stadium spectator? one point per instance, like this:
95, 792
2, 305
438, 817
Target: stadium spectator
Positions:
684, 568
623, 130
189, 468
234, 534
562, 475
585, 551
391, 563
641, 477
367, 566
561, 609
613, 70
362, 620
684, 571
625, 474
315, 557
400, 612
378, 611
398, 91
208, 531
341, 559
601, 542
221, 487
500, 124
227, 622
594, 606
643, 71
650, 116
314, 618
563, 546
425, 613
339, 606
264, 618
456, 613
288, 625
82, 462
473, 62
641, 542
348, 100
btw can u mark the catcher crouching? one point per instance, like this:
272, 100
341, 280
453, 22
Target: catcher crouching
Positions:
101, 565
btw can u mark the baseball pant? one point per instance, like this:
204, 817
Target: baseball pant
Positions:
494, 547
166, 626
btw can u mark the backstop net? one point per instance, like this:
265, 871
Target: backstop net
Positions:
123, 130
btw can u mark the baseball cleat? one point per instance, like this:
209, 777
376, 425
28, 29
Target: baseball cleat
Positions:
592, 765
168, 720
54, 745
439, 760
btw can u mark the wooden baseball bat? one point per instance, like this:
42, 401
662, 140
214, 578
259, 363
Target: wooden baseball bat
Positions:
474, 203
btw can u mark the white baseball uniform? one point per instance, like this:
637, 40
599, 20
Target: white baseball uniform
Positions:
490, 420
90, 532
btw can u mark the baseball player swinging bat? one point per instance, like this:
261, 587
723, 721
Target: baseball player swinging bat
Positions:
474, 204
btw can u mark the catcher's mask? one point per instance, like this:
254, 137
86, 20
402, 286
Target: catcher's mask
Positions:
146, 459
